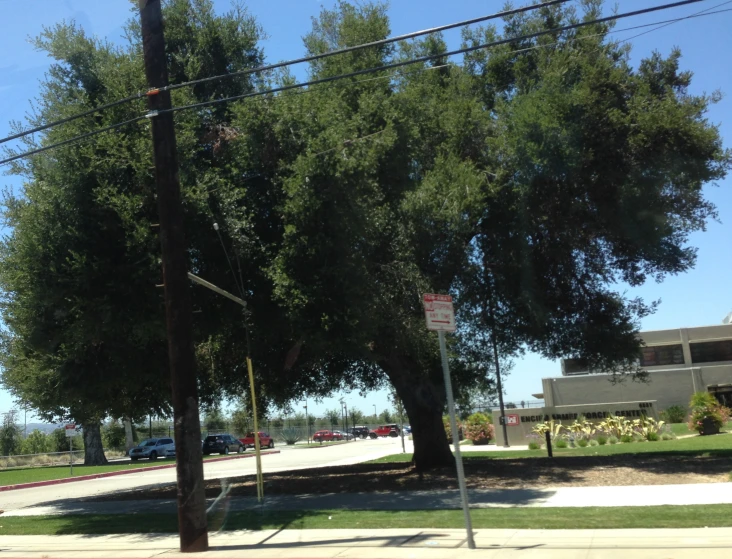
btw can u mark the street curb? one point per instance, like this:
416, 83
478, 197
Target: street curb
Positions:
119, 473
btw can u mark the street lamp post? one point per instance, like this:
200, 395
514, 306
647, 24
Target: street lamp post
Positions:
257, 447
307, 419
376, 419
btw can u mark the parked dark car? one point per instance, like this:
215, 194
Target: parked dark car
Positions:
360, 431
221, 444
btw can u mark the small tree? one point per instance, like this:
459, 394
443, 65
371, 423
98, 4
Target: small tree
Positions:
11, 435
60, 442
387, 416
355, 416
37, 442
214, 420
113, 435
333, 417
240, 421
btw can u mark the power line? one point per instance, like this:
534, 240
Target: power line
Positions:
74, 139
667, 23
73, 117
429, 58
401, 64
379, 43
268, 67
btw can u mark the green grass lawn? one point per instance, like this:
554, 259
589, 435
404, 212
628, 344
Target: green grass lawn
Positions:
46, 473
693, 516
715, 445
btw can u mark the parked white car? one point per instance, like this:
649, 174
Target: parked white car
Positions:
152, 449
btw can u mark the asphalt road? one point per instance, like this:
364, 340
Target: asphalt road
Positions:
290, 458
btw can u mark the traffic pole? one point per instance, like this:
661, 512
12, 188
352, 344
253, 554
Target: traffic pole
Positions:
456, 441
192, 524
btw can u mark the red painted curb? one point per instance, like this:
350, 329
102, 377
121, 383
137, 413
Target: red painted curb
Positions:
118, 473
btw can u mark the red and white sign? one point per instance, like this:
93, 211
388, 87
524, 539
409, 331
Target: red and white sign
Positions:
438, 312
70, 429
512, 420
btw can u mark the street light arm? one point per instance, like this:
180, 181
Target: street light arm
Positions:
217, 289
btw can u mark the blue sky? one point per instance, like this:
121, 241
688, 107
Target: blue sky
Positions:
699, 297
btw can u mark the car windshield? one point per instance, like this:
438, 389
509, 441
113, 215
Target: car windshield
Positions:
148, 442
250, 435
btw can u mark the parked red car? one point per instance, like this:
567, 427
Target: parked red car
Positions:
265, 441
327, 436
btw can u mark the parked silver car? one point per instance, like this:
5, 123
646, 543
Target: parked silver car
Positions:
151, 448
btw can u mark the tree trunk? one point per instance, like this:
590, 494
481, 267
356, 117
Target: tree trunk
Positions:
129, 439
93, 449
424, 401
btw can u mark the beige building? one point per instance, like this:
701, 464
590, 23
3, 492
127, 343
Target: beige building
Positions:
679, 362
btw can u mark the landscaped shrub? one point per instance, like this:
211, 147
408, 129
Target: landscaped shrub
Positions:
533, 445
601, 440
448, 430
554, 428
674, 414
478, 428
582, 429
667, 436
626, 438
593, 442
707, 415
612, 440
582, 443
290, 435
653, 437
560, 443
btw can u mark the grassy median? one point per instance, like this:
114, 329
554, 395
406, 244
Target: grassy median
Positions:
693, 516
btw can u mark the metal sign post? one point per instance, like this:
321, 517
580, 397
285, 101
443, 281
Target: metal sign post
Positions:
441, 317
70, 430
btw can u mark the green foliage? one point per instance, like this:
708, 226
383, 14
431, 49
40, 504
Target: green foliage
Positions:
560, 443
533, 445
582, 443
60, 442
113, 435
495, 178
674, 414
387, 416
448, 429
479, 429
707, 414
601, 440
653, 436
214, 421
355, 416
612, 440
594, 442
241, 421
290, 435
37, 442
11, 435
334, 417
626, 438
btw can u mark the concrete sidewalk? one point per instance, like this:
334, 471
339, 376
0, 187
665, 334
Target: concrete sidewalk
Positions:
628, 496
712, 543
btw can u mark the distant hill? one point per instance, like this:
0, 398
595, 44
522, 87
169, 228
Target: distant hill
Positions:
44, 427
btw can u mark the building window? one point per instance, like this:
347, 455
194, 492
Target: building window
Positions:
653, 356
574, 366
709, 352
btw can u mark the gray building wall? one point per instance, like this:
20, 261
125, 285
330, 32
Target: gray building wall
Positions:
667, 387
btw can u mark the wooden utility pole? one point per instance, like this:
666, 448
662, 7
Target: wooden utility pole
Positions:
192, 525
